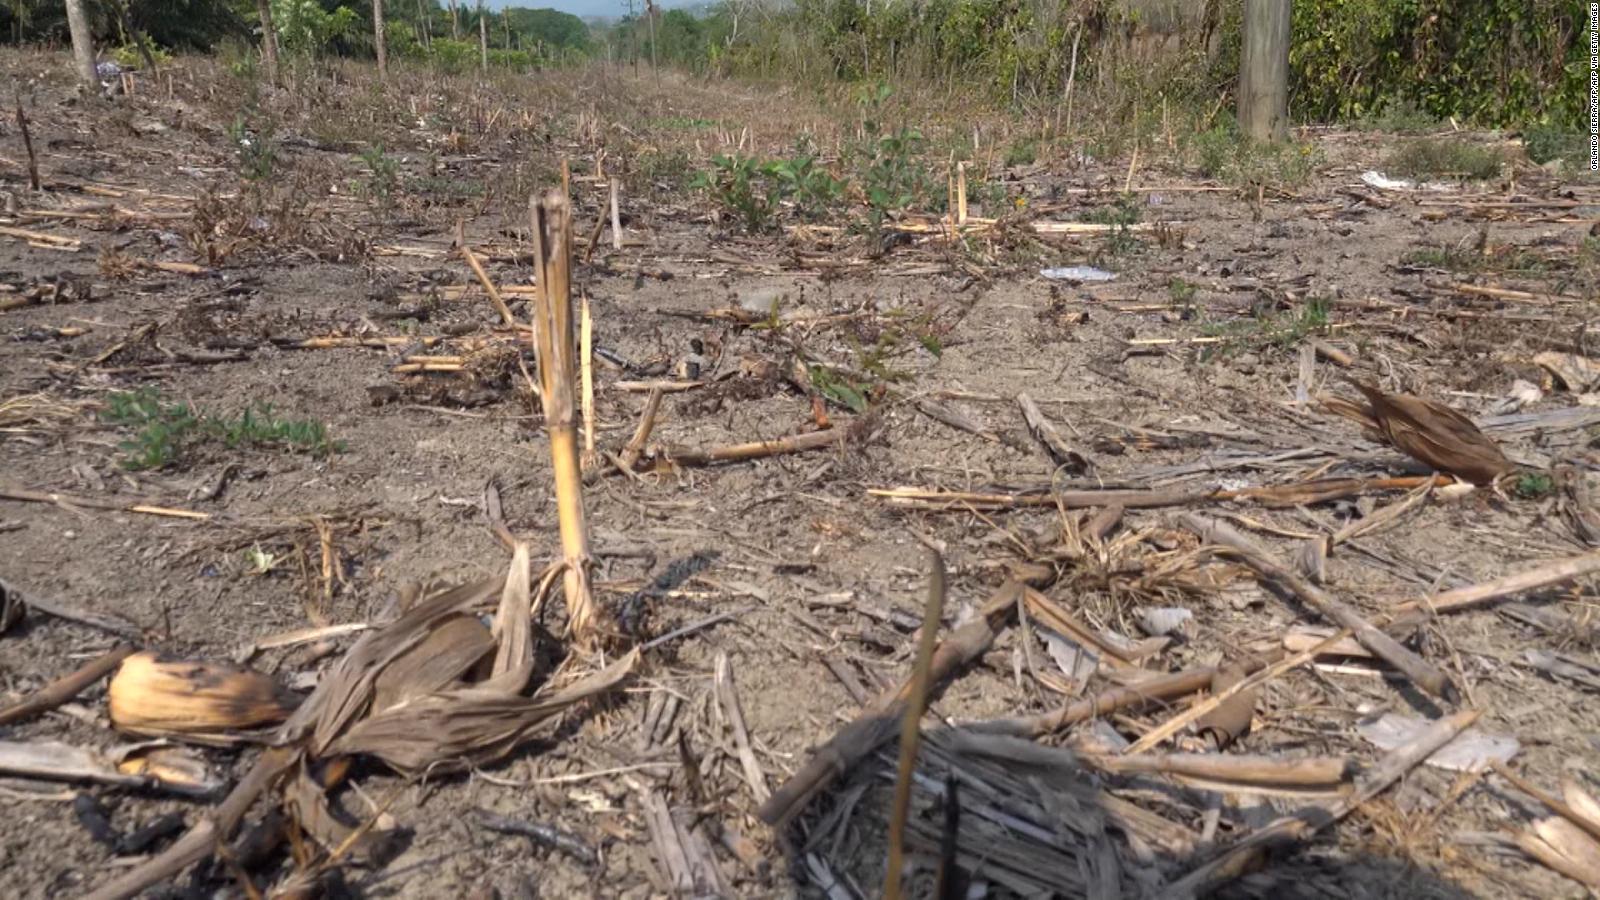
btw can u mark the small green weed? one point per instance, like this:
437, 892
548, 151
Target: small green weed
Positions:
1440, 157
1121, 216
839, 388
1181, 291
165, 432
1533, 485
383, 174
258, 153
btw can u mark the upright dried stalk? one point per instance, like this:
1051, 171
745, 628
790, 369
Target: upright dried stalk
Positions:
553, 342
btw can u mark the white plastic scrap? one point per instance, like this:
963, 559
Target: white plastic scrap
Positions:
1471, 751
1376, 179
1077, 273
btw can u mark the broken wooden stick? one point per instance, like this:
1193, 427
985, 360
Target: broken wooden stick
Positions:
68, 501
798, 443
1421, 672
66, 687
1542, 576
876, 724
488, 286
1236, 859
1044, 431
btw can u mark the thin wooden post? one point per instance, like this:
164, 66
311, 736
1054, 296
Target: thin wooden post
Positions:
483, 39
269, 40
1263, 102
378, 41
82, 43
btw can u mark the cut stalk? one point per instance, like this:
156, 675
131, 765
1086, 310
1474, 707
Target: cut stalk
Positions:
553, 343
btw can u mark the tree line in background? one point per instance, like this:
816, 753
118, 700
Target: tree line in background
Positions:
1490, 62
446, 32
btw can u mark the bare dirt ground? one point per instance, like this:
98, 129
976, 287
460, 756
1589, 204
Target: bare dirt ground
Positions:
1185, 373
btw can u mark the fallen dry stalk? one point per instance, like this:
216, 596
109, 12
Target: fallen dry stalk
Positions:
488, 286
69, 501
553, 342
762, 449
876, 724
1542, 576
66, 687
1558, 806
1294, 494
1158, 689
1243, 771
1421, 672
1172, 726
204, 836
1235, 860
911, 725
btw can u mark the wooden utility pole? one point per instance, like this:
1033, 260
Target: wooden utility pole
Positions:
378, 41
483, 39
82, 43
1264, 70
269, 40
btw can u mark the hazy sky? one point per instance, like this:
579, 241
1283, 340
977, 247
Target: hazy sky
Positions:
610, 8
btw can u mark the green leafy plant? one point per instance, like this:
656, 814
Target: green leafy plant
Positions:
755, 191
163, 432
737, 185
839, 389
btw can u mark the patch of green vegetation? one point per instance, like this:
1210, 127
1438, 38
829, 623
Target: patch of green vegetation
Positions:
1400, 115
1222, 153
894, 176
1547, 143
1121, 216
1181, 291
1443, 157
754, 190
383, 174
1022, 153
839, 388
1532, 485
682, 123
258, 152
1506, 260
1283, 330
165, 431
671, 168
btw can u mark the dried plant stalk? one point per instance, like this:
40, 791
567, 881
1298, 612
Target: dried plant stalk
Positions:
65, 688
911, 726
553, 343
876, 724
